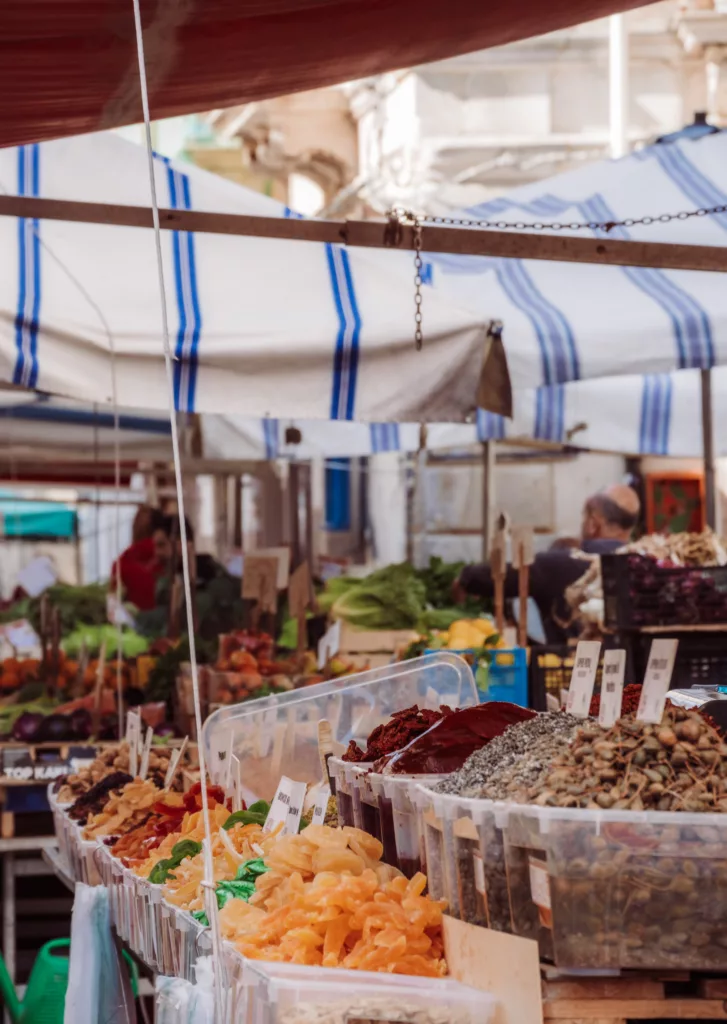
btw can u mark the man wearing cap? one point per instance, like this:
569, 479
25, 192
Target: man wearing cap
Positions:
608, 520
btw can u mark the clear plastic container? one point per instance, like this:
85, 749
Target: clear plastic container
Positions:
620, 889
365, 801
476, 881
386, 819
332, 996
401, 791
343, 787
278, 735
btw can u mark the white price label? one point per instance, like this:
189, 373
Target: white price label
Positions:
329, 644
133, 736
321, 805
144, 769
287, 806
21, 635
539, 884
657, 680
583, 678
37, 576
479, 867
612, 687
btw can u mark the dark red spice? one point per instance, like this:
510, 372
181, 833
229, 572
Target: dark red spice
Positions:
402, 728
629, 703
449, 742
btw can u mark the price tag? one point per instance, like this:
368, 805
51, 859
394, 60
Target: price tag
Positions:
37, 576
21, 635
321, 805
583, 678
612, 687
133, 738
286, 807
283, 556
174, 760
299, 590
329, 644
143, 770
522, 543
540, 889
117, 614
260, 581
657, 680
236, 784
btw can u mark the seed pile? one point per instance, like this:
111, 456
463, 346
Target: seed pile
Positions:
678, 765
513, 763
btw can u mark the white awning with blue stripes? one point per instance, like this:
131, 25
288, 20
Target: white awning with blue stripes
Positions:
259, 327
567, 322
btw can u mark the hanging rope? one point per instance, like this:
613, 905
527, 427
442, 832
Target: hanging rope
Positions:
208, 866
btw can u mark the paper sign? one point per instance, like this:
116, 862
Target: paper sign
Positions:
657, 680
299, 590
287, 806
37, 576
329, 644
583, 678
144, 769
259, 581
21, 635
612, 687
283, 556
174, 760
117, 614
522, 541
321, 805
540, 890
236, 784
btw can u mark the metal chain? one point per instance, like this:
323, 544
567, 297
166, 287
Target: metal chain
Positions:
398, 217
418, 335
405, 217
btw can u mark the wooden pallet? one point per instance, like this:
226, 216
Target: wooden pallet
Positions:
635, 997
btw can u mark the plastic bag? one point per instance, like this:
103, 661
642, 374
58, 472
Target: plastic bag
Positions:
181, 1002
99, 990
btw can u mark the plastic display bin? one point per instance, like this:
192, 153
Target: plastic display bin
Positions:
278, 735
277, 996
620, 889
402, 791
476, 882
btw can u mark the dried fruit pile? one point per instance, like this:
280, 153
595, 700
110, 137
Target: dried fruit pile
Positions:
679, 765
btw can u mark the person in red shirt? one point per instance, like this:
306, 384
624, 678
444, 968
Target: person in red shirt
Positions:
139, 565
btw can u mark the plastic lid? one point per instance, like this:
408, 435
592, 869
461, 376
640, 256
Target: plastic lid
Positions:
278, 735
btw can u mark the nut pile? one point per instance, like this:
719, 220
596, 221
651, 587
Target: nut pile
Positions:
512, 763
678, 765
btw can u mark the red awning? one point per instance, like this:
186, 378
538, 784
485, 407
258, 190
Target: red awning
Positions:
69, 66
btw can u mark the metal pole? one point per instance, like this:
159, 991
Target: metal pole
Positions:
488, 497
708, 450
618, 83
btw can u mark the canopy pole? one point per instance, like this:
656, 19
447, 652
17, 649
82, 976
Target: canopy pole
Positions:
618, 81
708, 450
488, 498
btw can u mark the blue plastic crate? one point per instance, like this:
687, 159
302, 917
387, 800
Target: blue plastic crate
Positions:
506, 674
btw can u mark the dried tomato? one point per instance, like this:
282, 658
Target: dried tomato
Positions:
401, 729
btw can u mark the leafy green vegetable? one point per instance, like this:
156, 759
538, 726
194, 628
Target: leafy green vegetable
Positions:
163, 677
439, 618
390, 598
94, 637
180, 851
86, 604
254, 815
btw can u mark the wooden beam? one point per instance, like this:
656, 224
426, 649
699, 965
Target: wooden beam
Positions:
378, 235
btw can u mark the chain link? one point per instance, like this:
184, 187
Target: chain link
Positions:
398, 217
405, 217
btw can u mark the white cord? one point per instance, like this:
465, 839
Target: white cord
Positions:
209, 870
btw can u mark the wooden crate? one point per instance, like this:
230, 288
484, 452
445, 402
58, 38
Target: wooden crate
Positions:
374, 641
635, 996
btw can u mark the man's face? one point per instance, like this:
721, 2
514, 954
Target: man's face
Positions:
162, 547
